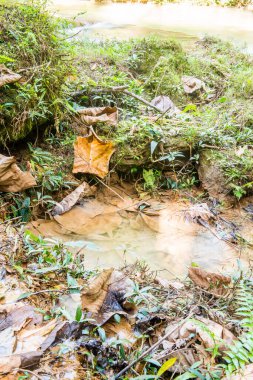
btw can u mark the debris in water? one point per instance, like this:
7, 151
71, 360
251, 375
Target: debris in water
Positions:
70, 200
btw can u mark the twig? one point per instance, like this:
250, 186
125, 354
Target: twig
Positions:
109, 188
150, 349
141, 100
27, 370
122, 89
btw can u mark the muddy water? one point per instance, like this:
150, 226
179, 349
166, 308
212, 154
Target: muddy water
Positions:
166, 242
181, 21
106, 236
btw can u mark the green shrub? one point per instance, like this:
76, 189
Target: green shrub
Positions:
31, 44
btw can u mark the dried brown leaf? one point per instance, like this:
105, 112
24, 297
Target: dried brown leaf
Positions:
7, 76
70, 200
106, 295
215, 283
192, 84
12, 178
92, 155
91, 116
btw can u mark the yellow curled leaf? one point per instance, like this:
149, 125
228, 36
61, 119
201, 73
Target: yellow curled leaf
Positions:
169, 363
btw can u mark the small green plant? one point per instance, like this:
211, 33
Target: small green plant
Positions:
151, 178
241, 352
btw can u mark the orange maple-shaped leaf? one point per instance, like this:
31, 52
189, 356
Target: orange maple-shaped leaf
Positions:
92, 155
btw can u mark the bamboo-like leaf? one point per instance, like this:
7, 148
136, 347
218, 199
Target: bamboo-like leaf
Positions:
169, 363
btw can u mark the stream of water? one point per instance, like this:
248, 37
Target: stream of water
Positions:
181, 21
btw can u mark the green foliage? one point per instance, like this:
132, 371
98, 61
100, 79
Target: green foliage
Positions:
48, 170
32, 43
241, 352
151, 178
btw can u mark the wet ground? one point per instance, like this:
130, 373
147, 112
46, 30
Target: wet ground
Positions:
111, 234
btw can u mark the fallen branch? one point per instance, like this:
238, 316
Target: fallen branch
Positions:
150, 349
122, 89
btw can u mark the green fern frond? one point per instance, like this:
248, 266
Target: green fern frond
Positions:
241, 352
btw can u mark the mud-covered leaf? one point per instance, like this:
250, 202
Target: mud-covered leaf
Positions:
70, 200
198, 212
91, 116
12, 178
215, 283
92, 155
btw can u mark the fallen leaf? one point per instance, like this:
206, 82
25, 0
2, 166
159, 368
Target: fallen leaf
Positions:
106, 295
92, 155
93, 217
12, 178
7, 76
192, 84
121, 330
198, 211
91, 116
215, 283
209, 332
24, 337
70, 200
164, 103
169, 363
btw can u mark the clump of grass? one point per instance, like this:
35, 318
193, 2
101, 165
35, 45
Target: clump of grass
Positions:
32, 44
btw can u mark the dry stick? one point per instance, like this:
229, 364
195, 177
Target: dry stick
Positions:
141, 100
122, 89
109, 188
150, 349
27, 370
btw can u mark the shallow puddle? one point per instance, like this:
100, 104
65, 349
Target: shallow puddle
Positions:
161, 237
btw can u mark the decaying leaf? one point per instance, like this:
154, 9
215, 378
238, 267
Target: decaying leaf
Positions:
192, 84
23, 336
93, 217
208, 332
215, 283
121, 329
92, 155
198, 212
70, 200
106, 295
91, 116
165, 104
12, 178
7, 76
